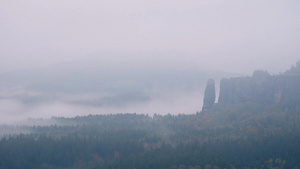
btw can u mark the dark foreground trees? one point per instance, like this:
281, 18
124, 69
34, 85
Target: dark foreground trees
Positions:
182, 141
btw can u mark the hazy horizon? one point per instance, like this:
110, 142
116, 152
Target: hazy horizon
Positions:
66, 58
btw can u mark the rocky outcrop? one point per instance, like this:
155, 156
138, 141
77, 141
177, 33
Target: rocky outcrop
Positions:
209, 95
262, 89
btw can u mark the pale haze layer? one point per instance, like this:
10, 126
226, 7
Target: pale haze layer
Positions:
78, 57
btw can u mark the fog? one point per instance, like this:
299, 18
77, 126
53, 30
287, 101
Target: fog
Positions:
67, 58
71, 89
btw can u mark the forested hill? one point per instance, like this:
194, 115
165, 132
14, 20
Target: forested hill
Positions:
281, 91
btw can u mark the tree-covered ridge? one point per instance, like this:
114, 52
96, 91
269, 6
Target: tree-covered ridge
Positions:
294, 70
282, 91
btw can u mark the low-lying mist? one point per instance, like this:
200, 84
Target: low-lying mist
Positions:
15, 111
80, 89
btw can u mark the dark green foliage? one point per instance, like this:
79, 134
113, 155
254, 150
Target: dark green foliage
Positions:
239, 139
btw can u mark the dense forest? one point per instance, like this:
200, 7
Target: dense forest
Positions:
256, 124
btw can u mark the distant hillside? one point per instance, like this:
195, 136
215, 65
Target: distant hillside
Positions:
282, 91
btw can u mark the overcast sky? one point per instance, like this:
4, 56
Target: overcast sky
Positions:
231, 35
71, 57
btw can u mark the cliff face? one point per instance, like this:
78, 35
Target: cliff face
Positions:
262, 89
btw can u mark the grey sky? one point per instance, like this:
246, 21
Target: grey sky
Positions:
231, 35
